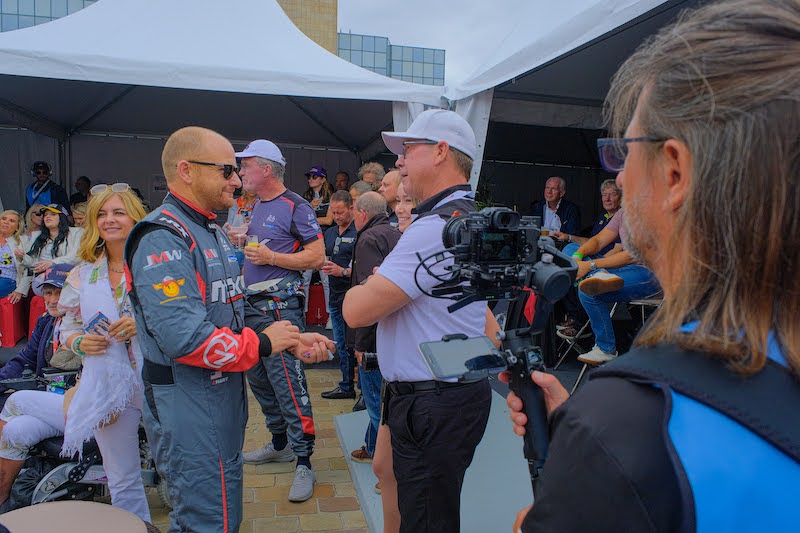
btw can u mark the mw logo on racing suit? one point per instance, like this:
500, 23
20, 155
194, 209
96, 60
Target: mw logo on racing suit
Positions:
220, 351
163, 257
227, 290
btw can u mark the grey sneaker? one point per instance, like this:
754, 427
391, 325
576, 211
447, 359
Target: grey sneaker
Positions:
303, 486
268, 454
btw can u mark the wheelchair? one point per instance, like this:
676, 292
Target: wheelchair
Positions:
47, 476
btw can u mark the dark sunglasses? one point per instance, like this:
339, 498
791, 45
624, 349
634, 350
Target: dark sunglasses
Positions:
313, 177
227, 170
614, 151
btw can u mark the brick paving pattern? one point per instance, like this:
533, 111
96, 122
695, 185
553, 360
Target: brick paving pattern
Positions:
333, 507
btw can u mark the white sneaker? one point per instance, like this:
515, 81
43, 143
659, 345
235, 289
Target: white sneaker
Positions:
329, 324
303, 486
596, 356
601, 283
268, 454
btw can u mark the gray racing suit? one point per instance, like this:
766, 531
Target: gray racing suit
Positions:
187, 294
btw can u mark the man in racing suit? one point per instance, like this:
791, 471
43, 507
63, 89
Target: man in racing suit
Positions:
199, 335
288, 240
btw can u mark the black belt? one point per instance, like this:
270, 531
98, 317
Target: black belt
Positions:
400, 388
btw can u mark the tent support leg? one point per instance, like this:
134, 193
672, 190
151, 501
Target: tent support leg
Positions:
321, 124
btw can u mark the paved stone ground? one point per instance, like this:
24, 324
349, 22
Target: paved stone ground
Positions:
333, 507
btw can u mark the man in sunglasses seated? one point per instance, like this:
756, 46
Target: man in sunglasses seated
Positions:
283, 239
43, 190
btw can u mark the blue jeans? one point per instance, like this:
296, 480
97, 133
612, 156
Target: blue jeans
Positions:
371, 392
347, 361
639, 283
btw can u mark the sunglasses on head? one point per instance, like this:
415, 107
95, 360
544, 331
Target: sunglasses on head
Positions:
117, 187
227, 170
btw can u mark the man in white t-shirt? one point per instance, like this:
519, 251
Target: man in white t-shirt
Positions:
435, 425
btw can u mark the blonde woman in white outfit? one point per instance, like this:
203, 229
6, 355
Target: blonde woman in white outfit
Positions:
108, 401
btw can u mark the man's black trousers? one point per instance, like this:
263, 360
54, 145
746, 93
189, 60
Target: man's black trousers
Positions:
434, 436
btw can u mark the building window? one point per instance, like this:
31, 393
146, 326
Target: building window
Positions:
42, 8
438, 57
344, 41
368, 43
355, 57
368, 59
26, 7
344, 54
428, 54
9, 22
355, 42
58, 8
9, 7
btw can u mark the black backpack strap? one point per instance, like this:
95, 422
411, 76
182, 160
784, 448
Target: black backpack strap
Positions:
765, 403
463, 205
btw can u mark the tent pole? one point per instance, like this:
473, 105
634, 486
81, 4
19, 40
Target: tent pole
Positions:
321, 124
29, 120
103, 109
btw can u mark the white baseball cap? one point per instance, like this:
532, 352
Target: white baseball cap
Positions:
263, 148
435, 125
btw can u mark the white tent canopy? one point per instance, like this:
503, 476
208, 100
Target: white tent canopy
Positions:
147, 67
242, 46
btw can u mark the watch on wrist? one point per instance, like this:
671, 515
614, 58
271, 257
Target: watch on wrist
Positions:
592, 265
345, 272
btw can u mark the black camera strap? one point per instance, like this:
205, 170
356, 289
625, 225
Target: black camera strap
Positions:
765, 403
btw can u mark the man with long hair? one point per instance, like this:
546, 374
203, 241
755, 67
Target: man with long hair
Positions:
706, 119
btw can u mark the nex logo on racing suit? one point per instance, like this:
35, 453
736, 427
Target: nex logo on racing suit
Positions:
227, 290
220, 351
174, 224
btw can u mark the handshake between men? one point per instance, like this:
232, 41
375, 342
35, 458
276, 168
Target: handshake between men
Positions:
308, 347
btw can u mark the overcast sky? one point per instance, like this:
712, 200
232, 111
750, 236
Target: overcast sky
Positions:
468, 35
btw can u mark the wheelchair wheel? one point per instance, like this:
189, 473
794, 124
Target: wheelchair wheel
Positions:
163, 493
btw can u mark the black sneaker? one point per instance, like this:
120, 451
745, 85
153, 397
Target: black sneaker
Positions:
339, 394
360, 405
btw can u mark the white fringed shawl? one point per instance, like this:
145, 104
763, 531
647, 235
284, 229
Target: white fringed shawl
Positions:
108, 382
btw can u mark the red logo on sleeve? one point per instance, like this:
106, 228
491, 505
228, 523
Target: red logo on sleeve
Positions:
221, 350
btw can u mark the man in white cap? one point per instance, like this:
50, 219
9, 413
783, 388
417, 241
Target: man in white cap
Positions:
435, 425
289, 240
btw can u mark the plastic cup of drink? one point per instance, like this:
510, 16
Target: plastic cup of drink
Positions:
545, 232
252, 241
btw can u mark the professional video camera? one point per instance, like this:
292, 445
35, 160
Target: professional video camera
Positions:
496, 254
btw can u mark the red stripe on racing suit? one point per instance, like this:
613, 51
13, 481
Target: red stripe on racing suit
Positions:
224, 497
307, 422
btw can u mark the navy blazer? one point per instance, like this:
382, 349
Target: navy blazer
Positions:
568, 212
